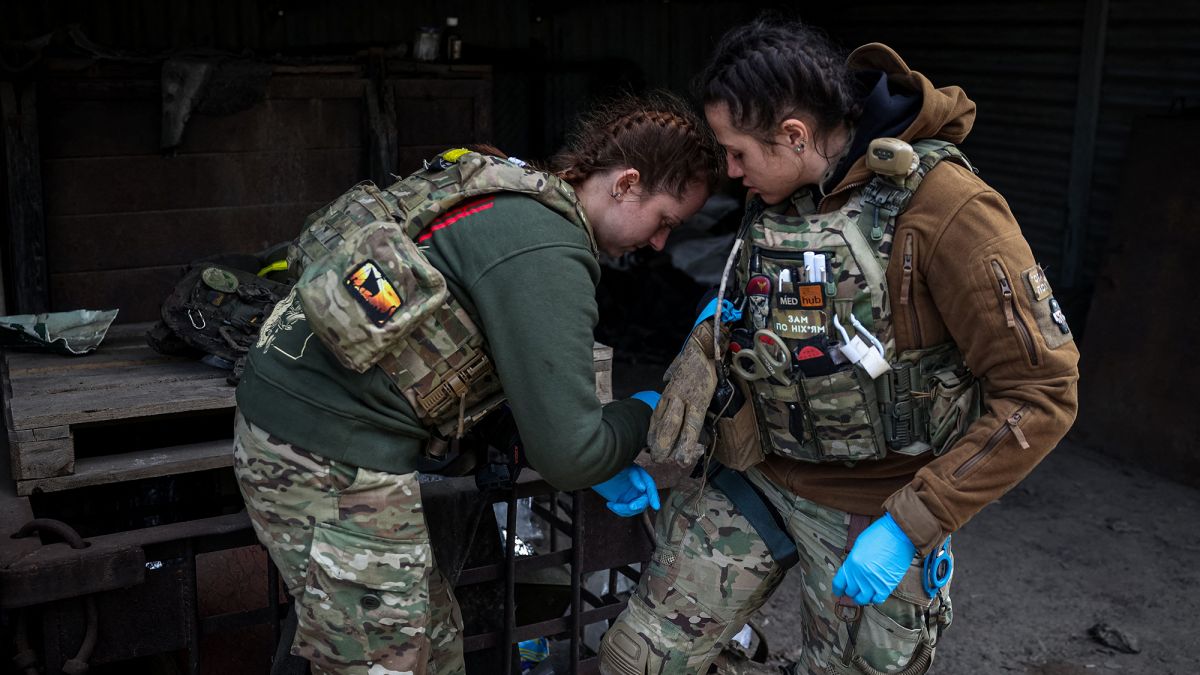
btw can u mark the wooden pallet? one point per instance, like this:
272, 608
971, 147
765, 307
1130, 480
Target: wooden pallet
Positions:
48, 398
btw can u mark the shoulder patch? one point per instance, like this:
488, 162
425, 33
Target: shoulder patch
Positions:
1051, 320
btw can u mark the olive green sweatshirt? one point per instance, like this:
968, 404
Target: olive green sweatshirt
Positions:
528, 277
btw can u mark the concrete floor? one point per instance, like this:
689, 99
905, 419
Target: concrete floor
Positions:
1084, 540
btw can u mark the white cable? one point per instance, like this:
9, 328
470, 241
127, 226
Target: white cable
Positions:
737, 245
859, 327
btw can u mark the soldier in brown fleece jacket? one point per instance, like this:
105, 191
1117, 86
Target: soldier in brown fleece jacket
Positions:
863, 510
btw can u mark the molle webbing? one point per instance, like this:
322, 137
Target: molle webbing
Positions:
440, 365
929, 397
886, 197
418, 199
907, 394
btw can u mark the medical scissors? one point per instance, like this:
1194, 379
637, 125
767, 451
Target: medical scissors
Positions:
769, 358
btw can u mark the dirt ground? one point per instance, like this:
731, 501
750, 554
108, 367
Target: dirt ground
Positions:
1084, 540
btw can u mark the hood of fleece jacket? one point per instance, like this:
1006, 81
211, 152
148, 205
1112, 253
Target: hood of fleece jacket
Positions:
946, 112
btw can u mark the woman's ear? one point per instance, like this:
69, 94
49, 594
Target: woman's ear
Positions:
625, 181
796, 133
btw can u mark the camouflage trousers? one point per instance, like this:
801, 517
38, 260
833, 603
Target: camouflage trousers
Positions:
710, 572
352, 546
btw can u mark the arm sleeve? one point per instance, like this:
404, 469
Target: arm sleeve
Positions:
538, 310
1028, 375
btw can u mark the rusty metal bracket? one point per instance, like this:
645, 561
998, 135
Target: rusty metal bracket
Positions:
60, 571
77, 665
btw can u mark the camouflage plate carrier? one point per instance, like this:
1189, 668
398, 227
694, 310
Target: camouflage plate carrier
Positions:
928, 398
373, 298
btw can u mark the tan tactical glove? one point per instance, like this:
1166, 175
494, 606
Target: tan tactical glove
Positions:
679, 416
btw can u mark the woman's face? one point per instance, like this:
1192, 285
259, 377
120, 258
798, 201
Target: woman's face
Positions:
772, 172
635, 219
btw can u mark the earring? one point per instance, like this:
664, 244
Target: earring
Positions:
799, 147
616, 195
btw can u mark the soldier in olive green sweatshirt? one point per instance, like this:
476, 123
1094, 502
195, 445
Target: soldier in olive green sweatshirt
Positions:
326, 457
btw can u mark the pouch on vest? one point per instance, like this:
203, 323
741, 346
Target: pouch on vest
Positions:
737, 445
955, 402
928, 400
369, 293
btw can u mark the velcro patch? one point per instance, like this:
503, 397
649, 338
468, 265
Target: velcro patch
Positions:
798, 324
1038, 283
812, 296
374, 291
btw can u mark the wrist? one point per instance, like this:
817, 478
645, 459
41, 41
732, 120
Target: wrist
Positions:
888, 523
649, 397
728, 312
913, 516
707, 312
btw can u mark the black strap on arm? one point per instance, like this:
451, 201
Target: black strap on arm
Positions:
765, 519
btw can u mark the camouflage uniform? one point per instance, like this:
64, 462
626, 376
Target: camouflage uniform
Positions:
377, 359
711, 571
353, 548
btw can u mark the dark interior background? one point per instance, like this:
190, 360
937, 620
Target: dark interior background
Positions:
306, 98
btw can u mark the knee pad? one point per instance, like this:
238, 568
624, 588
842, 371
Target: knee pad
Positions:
623, 652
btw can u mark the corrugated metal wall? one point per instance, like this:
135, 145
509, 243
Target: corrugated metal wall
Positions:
1151, 67
1019, 62
629, 45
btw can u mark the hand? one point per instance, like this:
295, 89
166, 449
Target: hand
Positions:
629, 492
679, 417
876, 563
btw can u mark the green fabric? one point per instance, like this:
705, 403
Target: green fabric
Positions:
528, 277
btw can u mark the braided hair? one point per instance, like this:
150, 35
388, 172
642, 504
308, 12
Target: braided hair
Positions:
657, 135
772, 69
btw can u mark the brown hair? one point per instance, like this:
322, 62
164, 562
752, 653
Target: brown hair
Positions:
657, 135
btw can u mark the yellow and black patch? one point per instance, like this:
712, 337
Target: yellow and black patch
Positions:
374, 291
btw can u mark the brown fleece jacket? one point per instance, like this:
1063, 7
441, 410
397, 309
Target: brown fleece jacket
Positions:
972, 281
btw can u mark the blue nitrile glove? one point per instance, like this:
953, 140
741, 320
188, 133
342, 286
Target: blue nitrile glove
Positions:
629, 492
728, 312
649, 397
876, 563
